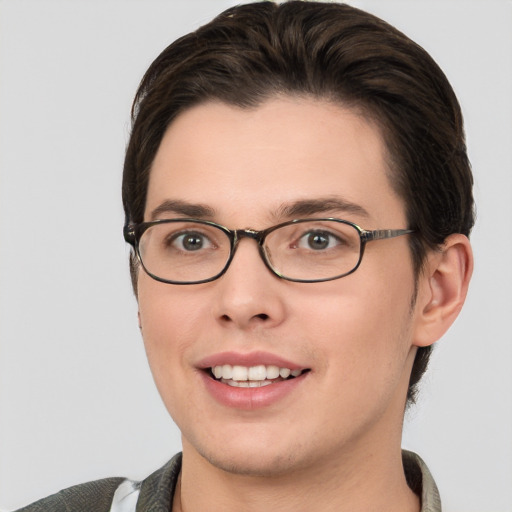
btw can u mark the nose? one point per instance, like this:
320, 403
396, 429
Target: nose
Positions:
249, 295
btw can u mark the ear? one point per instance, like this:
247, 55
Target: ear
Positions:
139, 320
442, 289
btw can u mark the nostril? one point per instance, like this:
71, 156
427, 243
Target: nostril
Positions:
260, 317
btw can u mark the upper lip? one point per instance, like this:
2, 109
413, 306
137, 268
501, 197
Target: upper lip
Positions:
248, 359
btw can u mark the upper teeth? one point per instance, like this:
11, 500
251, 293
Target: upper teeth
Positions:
259, 372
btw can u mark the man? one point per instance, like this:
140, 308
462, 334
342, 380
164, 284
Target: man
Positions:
298, 197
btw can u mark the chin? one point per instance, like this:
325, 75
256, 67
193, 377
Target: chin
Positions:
260, 464
254, 455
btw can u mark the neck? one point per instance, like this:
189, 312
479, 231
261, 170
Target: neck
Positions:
360, 482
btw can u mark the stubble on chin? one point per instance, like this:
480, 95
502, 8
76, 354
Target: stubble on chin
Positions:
261, 465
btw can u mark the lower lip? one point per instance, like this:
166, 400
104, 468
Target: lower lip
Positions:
251, 398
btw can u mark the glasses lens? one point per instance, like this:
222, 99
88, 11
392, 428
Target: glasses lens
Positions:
184, 251
313, 250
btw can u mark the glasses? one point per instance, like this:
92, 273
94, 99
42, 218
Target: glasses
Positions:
191, 251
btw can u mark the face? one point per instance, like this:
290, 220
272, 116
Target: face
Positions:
348, 339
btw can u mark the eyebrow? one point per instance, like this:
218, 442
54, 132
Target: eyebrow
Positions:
196, 211
305, 207
300, 208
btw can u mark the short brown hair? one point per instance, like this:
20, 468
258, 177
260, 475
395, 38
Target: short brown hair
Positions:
329, 51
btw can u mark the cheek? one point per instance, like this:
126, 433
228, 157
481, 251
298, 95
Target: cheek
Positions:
362, 325
169, 320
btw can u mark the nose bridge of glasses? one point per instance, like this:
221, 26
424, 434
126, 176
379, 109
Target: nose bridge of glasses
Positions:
248, 233
258, 236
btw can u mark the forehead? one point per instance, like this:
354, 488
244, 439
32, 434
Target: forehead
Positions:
255, 160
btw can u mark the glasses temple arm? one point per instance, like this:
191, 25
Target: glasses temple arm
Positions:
129, 234
381, 234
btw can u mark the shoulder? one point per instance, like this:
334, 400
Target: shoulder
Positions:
157, 490
95, 496
154, 493
421, 481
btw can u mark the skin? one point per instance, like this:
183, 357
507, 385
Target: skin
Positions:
333, 443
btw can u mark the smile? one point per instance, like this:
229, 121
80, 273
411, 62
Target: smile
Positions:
252, 376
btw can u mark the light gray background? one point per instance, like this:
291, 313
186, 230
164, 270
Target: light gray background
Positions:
77, 400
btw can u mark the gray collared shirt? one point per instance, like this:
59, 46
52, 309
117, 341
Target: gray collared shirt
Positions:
156, 492
418, 476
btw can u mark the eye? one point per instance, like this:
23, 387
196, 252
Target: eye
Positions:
318, 240
190, 241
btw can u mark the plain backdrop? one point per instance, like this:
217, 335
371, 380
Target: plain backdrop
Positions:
77, 401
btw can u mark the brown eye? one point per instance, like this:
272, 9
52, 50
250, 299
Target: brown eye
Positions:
318, 240
190, 242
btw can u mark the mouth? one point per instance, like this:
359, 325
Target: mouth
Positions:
251, 381
252, 376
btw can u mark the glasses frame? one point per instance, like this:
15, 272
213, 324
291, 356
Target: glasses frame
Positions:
133, 233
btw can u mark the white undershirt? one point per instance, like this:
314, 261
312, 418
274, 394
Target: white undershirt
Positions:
126, 496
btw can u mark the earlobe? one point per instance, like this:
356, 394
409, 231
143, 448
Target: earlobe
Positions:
442, 289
